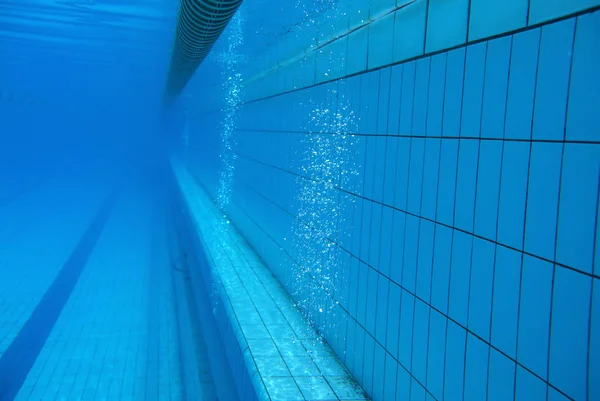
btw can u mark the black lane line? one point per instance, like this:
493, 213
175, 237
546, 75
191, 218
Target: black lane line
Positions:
22, 353
157, 262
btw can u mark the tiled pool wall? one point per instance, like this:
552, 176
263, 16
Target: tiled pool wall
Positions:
465, 248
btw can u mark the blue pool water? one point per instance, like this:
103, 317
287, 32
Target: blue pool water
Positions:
358, 200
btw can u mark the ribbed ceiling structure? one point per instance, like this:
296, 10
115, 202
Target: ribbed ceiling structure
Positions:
199, 25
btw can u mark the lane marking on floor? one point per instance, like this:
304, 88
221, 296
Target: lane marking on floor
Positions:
22, 353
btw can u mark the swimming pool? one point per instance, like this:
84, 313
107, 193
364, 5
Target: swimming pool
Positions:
385, 199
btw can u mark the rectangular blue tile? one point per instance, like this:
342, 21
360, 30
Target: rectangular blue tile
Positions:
534, 315
389, 378
482, 278
383, 101
367, 223
405, 339
473, 90
440, 285
403, 383
382, 310
594, 347
495, 87
354, 89
402, 173
583, 120
506, 300
351, 345
556, 46
466, 184
455, 73
597, 245
578, 206
395, 97
447, 23
476, 370
455, 362
379, 367
357, 59
407, 100
430, 178
513, 193
490, 17
368, 367
361, 158
369, 98
544, 10
542, 199
353, 287
420, 340
363, 293
391, 159
419, 125
385, 251
415, 179
460, 272
502, 372
435, 103
371, 300
488, 188
370, 166
569, 332
345, 277
393, 325
380, 46
425, 260
398, 230
436, 354
447, 181
409, 266
380, 164
409, 31
359, 351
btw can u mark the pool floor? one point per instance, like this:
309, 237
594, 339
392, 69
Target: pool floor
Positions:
115, 337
